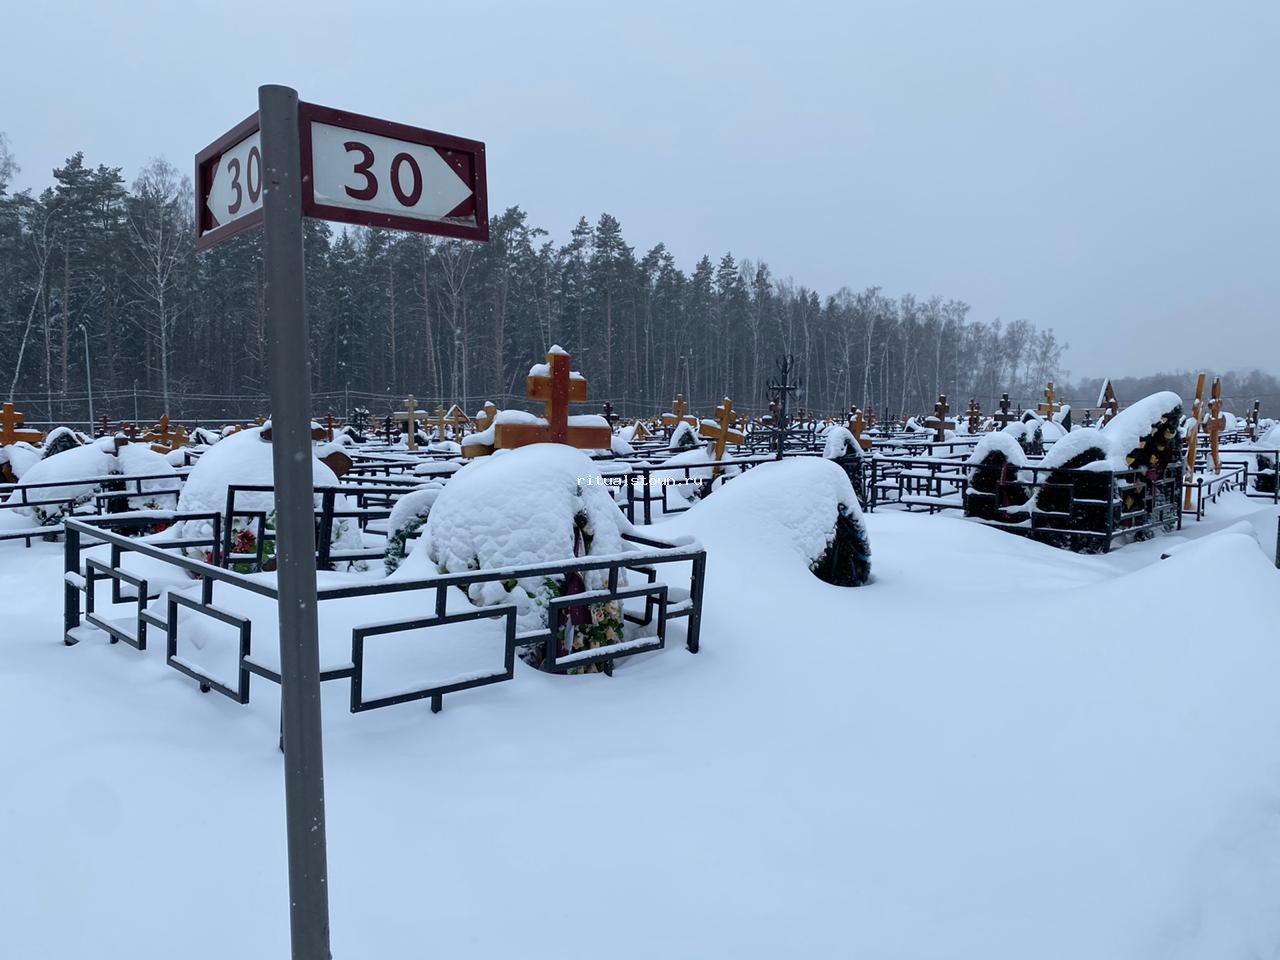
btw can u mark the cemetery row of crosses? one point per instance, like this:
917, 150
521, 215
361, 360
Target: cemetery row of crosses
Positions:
562, 536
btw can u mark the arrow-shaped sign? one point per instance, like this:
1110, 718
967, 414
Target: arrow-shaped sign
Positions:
236, 189
355, 169
229, 184
376, 173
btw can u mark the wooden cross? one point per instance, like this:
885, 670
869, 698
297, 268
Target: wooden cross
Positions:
484, 419
556, 389
1193, 431
857, 424
10, 421
974, 413
939, 422
1049, 406
438, 424
163, 439
1004, 416
328, 427
678, 414
410, 408
104, 427
721, 431
388, 428
1215, 423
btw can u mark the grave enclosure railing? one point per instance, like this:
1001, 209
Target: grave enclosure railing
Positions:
644, 559
58, 499
1014, 502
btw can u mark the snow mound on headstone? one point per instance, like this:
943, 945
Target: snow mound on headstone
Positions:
518, 507
1000, 441
1128, 427
244, 458
74, 466
840, 443
1077, 443
241, 458
782, 511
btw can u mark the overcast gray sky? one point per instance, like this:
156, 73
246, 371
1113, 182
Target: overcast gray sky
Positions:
1107, 169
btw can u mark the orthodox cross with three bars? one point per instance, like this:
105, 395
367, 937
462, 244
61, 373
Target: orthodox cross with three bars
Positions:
557, 388
1049, 406
721, 430
10, 421
974, 413
939, 422
1004, 416
678, 414
1215, 423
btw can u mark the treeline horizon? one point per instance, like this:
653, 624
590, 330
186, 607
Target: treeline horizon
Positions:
91, 259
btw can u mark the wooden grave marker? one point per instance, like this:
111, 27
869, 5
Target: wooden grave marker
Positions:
484, 419
1215, 423
165, 439
974, 415
1004, 417
1049, 406
408, 416
556, 389
1193, 431
939, 422
10, 421
858, 424
679, 413
722, 431
1251, 421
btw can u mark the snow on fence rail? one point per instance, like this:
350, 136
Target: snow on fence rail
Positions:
654, 604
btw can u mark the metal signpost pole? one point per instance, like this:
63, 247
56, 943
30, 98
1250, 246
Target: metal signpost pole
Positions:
286, 323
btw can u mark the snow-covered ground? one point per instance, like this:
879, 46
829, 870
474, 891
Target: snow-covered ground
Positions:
995, 750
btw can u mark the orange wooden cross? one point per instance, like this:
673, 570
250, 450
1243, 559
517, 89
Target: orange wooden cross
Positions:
857, 424
678, 413
721, 430
556, 389
939, 422
164, 439
1049, 406
1193, 430
10, 421
1215, 423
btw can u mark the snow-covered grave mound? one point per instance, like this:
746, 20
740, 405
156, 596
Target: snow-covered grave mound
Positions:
995, 488
245, 459
79, 473
795, 512
533, 506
